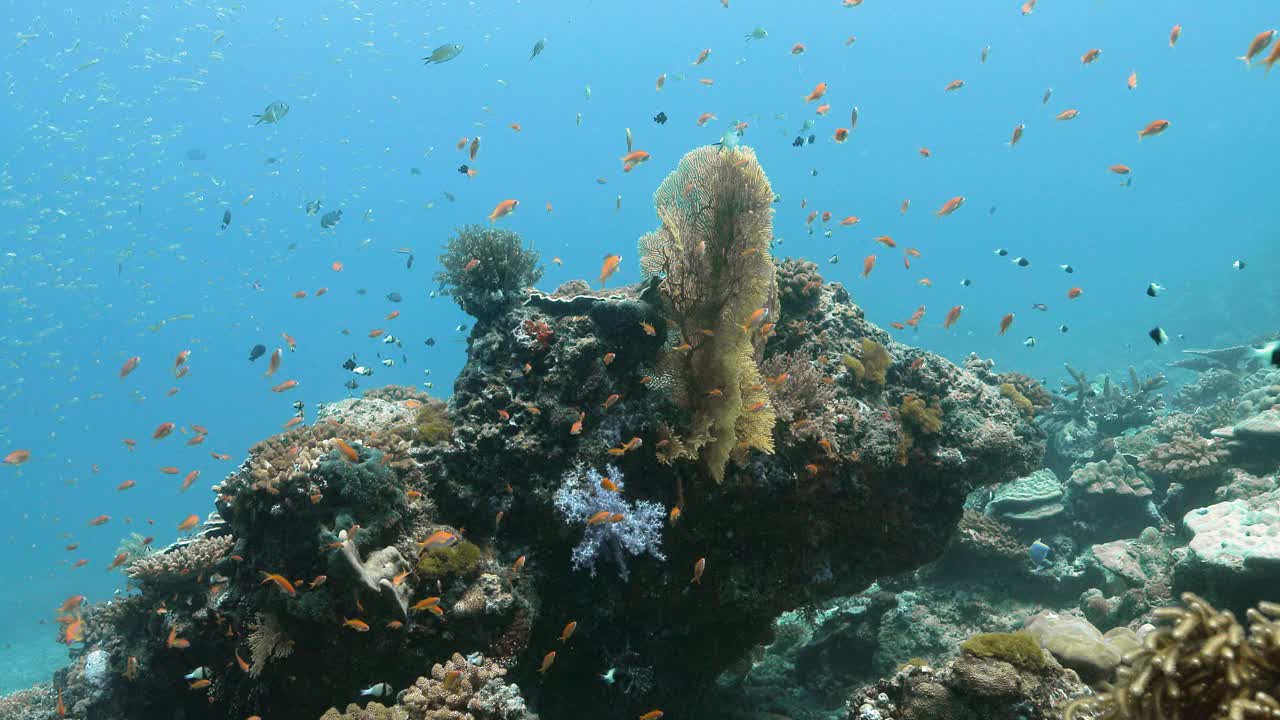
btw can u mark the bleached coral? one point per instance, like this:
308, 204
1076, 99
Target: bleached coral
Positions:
638, 532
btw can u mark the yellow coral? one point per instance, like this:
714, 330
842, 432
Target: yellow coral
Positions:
875, 360
1015, 395
712, 253
855, 366
925, 418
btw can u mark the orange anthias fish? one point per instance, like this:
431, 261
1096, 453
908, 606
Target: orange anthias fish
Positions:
1005, 322
576, 428
1017, 135
952, 316
702, 57
1074, 293
652, 715
599, 518
355, 624
1120, 169
190, 478
568, 630
953, 86
841, 135
698, 568
286, 385
100, 520
885, 240
1257, 45
503, 209
1133, 79
951, 205
818, 91
176, 642
850, 220
347, 452
704, 118
1174, 34
1090, 56
163, 430
1155, 127
129, 366
281, 582
182, 358
633, 159
440, 539
1071, 114
547, 660
274, 363
126, 485
868, 264
17, 457
190, 522
610, 266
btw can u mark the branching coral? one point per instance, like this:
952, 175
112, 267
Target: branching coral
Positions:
1186, 458
180, 563
1202, 664
1114, 407
465, 689
485, 269
712, 255
626, 528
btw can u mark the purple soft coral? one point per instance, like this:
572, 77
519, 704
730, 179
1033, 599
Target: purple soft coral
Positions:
640, 530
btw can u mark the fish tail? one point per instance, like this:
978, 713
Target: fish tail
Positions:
1245, 59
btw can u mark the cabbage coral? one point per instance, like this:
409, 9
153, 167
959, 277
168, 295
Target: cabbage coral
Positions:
1202, 665
718, 287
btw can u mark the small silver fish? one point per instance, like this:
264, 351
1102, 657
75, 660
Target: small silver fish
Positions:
274, 113
444, 53
538, 47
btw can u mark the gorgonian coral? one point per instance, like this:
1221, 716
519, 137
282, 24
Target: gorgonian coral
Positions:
626, 528
719, 289
486, 268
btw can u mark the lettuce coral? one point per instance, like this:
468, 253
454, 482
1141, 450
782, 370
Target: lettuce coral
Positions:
718, 287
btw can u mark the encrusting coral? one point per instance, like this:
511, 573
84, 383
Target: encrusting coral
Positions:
1202, 665
718, 288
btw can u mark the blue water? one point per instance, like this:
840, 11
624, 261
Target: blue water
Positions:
109, 228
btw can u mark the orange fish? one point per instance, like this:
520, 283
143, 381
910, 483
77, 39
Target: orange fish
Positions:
823, 109
321, 291
518, 565
357, 625
609, 485
129, 443
1155, 127
547, 660
288, 340
336, 266
100, 520
426, 603
439, 539
924, 153
286, 385
274, 363
818, 91
698, 568
119, 560
850, 220
634, 158
1120, 169
129, 366
648, 329
1005, 322
503, 209
702, 57
609, 401
1017, 135
1133, 79
885, 240
953, 86
952, 316
1074, 293
244, 666
868, 264
300, 294
841, 135
1028, 7
568, 630
182, 358
1071, 114
652, 715
196, 439
706, 81
516, 127
1090, 56
674, 516
163, 430
462, 142
1174, 34
608, 358
1272, 57
577, 425
1257, 45
190, 522
281, 582
126, 485
176, 642
797, 49
170, 470
346, 450
17, 457
610, 266
200, 684
598, 518
951, 205
190, 478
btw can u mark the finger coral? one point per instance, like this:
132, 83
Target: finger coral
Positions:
180, 563
485, 269
718, 287
1201, 664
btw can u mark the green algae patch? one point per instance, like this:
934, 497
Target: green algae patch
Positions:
461, 559
1018, 648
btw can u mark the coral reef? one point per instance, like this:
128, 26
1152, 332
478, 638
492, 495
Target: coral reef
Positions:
486, 269
799, 287
615, 527
1031, 499
1234, 554
1114, 498
1201, 664
1185, 459
1085, 413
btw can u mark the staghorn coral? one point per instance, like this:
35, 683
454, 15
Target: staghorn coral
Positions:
267, 642
485, 269
1201, 664
926, 419
638, 532
712, 255
1185, 458
182, 562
